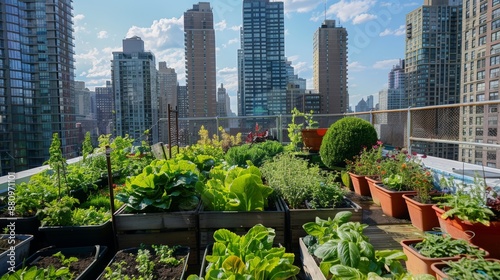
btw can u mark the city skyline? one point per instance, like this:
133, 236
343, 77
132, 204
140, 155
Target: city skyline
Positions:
371, 25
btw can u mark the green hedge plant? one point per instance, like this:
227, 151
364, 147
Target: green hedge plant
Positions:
345, 139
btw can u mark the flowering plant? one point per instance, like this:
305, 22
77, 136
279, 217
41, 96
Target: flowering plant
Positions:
368, 162
402, 171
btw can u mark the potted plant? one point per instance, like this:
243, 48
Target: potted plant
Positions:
236, 198
344, 139
467, 268
434, 248
67, 223
148, 262
402, 173
161, 203
307, 191
471, 213
366, 165
338, 248
249, 256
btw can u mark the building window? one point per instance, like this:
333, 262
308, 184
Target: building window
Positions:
494, 84
494, 72
493, 96
479, 132
492, 131
480, 87
480, 97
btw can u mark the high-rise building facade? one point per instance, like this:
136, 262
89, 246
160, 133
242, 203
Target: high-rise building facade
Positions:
135, 91
223, 102
199, 39
262, 73
167, 95
432, 67
433, 50
330, 67
480, 80
104, 108
36, 96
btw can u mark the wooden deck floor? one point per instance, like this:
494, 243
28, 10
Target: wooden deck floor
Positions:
389, 236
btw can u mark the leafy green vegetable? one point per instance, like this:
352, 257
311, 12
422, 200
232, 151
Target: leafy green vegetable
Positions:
236, 189
163, 185
441, 246
467, 268
251, 256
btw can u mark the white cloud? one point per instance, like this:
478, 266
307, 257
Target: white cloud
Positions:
220, 25
298, 66
235, 27
385, 64
102, 34
233, 41
363, 18
229, 77
396, 32
78, 17
347, 10
356, 66
300, 6
162, 34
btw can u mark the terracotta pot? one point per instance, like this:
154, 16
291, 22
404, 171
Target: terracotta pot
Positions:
359, 184
478, 234
313, 137
422, 215
392, 202
372, 181
418, 264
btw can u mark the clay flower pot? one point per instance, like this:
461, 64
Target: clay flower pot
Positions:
422, 215
392, 202
360, 184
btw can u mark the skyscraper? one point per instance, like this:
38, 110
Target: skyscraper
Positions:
135, 91
104, 110
36, 97
262, 74
330, 67
433, 49
481, 73
167, 95
432, 66
199, 38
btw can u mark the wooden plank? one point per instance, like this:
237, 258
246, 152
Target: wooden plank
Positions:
160, 221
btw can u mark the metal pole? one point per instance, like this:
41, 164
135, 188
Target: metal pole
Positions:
111, 195
169, 133
408, 129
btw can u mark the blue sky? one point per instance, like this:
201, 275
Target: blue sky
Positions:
375, 33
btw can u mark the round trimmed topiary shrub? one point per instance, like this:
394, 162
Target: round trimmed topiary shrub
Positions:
345, 139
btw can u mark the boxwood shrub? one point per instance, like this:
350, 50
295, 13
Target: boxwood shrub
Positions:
345, 139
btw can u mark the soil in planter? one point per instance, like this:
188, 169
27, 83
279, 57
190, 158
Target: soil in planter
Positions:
161, 270
76, 268
5, 245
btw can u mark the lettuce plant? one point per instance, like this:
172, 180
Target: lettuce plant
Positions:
162, 186
251, 256
234, 189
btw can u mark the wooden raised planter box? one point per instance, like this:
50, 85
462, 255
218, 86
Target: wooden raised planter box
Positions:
79, 236
309, 265
240, 222
167, 228
298, 217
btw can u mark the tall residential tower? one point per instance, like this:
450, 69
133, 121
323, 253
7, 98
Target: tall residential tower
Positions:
262, 74
135, 93
330, 67
37, 73
199, 40
480, 79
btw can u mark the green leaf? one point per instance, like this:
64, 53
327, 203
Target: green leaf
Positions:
346, 273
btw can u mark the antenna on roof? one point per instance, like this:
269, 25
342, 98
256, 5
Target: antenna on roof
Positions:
325, 10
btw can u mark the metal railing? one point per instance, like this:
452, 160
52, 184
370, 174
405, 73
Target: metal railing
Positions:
448, 131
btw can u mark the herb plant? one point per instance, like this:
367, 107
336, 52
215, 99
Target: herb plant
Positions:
442, 246
297, 181
467, 268
33, 272
468, 203
345, 252
257, 153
